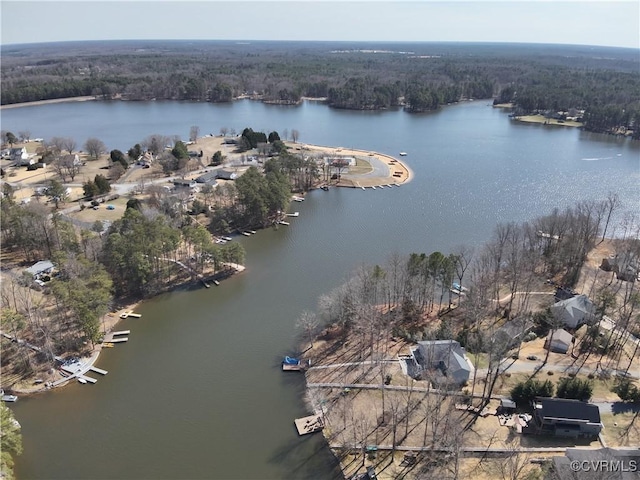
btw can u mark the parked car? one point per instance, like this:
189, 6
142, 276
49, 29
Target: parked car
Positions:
532, 357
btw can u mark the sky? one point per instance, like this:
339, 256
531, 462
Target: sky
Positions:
582, 22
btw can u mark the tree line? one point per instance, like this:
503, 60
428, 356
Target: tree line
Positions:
603, 82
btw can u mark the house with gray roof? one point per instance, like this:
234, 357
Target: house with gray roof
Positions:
226, 175
208, 178
444, 358
40, 268
574, 311
559, 341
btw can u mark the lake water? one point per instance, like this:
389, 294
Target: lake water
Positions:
197, 391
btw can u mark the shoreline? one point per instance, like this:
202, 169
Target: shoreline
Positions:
109, 323
88, 98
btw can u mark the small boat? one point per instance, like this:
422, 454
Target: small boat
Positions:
228, 239
246, 234
82, 380
457, 286
8, 398
291, 364
297, 199
282, 222
252, 232
403, 154
294, 214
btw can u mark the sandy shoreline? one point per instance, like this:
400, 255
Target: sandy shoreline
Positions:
46, 102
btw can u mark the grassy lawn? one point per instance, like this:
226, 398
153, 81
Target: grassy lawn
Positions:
102, 214
548, 121
617, 431
362, 167
481, 359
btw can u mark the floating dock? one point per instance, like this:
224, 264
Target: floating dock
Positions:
292, 368
282, 222
130, 314
86, 379
98, 370
311, 424
294, 214
121, 332
120, 340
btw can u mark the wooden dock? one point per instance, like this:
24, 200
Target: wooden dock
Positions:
130, 314
292, 368
311, 424
120, 340
98, 370
121, 332
88, 379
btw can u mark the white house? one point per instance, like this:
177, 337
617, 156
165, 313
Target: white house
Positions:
20, 157
559, 341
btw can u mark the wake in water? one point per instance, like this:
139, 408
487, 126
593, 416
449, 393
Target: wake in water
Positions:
597, 158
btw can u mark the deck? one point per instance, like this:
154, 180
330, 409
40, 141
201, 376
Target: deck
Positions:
311, 424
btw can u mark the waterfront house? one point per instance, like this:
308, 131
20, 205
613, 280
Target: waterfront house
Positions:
626, 266
20, 157
558, 341
574, 311
227, 175
444, 359
565, 418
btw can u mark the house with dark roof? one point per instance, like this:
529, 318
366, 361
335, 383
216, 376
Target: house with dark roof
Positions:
208, 178
444, 358
226, 175
574, 311
565, 418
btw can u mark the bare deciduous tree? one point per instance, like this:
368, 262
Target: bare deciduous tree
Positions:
194, 133
95, 147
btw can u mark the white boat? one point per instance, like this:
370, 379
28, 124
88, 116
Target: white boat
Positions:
252, 232
8, 398
403, 154
82, 380
297, 199
282, 222
228, 239
246, 234
294, 214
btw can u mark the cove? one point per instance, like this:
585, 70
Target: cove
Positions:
197, 392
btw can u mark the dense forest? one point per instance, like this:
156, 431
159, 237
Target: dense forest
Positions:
602, 82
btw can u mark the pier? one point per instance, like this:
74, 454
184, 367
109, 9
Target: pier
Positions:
98, 370
121, 332
130, 314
